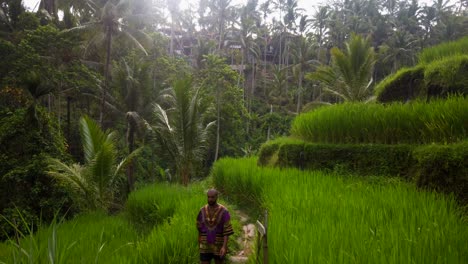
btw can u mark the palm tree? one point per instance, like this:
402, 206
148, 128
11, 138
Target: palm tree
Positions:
133, 77
221, 12
401, 49
319, 23
350, 76
109, 22
94, 181
248, 19
264, 31
135, 125
277, 83
173, 7
302, 50
181, 129
36, 86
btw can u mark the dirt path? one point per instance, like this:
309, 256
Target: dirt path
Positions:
245, 241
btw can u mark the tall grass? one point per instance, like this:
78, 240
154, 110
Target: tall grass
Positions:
447, 75
153, 204
448, 49
418, 122
175, 239
323, 218
131, 237
89, 238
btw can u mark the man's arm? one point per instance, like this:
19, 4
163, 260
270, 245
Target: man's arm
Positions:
227, 231
223, 250
199, 224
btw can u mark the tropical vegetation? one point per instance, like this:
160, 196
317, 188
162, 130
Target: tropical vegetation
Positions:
117, 115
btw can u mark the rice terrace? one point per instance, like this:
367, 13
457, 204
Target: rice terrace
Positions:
234, 131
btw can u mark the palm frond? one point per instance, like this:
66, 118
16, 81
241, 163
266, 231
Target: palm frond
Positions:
124, 162
134, 41
91, 136
71, 175
161, 117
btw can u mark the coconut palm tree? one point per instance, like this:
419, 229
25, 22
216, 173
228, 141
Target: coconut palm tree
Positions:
182, 128
132, 76
319, 24
94, 181
350, 76
108, 23
173, 7
302, 51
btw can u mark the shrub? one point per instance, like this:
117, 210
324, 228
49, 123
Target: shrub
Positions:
440, 167
442, 70
269, 149
406, 84
444, 168
359, 159
26, 144
291, 155
447, 76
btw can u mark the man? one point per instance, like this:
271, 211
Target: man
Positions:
214, 229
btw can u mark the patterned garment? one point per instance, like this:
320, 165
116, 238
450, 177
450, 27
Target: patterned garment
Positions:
212, 227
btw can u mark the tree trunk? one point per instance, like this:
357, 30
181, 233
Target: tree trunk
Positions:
265, 66
252, 88
171, 48
49, 6
281, 50
131, 147
106, 73
217, 122
299, 93
286, 59
269, 124
68, 117
221, 33
185, 175
241, 73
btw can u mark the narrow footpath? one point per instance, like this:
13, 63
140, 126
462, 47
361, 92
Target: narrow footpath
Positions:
245, 241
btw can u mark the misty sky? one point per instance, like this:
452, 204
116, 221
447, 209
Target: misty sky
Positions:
306, 4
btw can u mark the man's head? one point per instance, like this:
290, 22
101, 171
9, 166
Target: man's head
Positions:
212, 196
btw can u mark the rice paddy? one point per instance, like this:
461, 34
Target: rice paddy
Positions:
442, 121
313, 218
324, 218
170, 237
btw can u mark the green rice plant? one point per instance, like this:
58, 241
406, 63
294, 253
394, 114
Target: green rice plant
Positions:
153, 204
324, 218
404, 85
417, 122
447, 76
175, 240
99, 238
448, 49
267, 151
240, 181
90, 238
